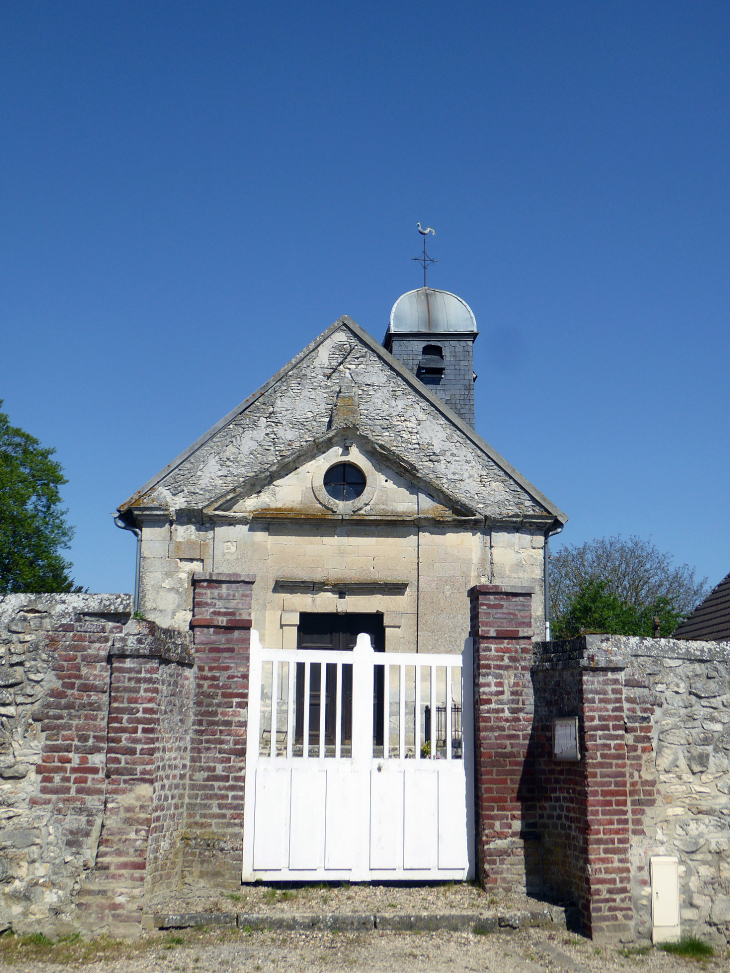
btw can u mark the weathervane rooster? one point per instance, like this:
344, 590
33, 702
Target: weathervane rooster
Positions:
424, 260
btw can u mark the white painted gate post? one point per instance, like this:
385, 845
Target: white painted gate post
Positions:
252, 753
362, 751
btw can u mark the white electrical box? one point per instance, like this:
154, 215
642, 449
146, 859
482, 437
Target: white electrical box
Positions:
665, 899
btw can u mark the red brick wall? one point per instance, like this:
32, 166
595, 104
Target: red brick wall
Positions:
214, 823
132, 739
561, 790
501, 627
641, 704
607, 804
74, 728
584, 808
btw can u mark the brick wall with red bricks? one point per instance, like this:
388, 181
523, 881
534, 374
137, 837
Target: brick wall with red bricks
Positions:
560, 785
74, 727
102, 726
221, 626
584, 807
610, 908
641, 707
501, 627
115, 894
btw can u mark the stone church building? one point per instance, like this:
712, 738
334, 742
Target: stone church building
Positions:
426, 509
335, 667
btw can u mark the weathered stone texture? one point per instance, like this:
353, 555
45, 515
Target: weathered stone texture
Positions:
76, 778
680, 774
52, 777
655, 732
297, 408
441, 511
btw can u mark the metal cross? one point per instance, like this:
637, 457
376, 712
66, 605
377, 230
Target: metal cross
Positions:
424, 260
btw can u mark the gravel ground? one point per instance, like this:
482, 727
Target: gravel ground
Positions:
376, 899
525, 951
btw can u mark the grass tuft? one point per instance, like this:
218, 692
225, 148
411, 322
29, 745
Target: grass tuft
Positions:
37, 939
689, 946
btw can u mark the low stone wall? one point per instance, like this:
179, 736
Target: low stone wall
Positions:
44, 852
76, 772
679, 772
123, 746
122, 755
654, 778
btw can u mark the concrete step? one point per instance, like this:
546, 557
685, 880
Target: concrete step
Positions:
549, 916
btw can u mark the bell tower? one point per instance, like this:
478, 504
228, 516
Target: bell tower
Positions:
432, 333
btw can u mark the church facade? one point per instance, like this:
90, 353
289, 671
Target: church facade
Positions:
426, 509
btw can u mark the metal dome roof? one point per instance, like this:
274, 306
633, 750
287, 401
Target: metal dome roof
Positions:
432, 311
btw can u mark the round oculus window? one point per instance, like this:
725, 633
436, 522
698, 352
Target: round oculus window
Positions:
344, 481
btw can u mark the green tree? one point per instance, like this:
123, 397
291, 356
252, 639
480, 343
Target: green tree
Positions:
33, 529
597, 609
635, 575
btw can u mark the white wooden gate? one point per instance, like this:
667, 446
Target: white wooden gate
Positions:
359, 765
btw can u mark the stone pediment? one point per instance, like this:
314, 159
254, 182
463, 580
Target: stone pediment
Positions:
294, 489
344, 382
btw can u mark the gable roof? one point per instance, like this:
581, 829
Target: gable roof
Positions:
710, 621
146, 494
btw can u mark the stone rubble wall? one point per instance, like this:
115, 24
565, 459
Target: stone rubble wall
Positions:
657, 784
62, 769
682, 763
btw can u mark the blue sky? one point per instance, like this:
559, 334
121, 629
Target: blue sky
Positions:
191, 192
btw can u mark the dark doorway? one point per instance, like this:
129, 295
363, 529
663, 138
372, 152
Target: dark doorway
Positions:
325, 630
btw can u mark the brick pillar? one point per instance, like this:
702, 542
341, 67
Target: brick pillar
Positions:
74, 727
608, 912
221, 627
501, 627
113, 896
